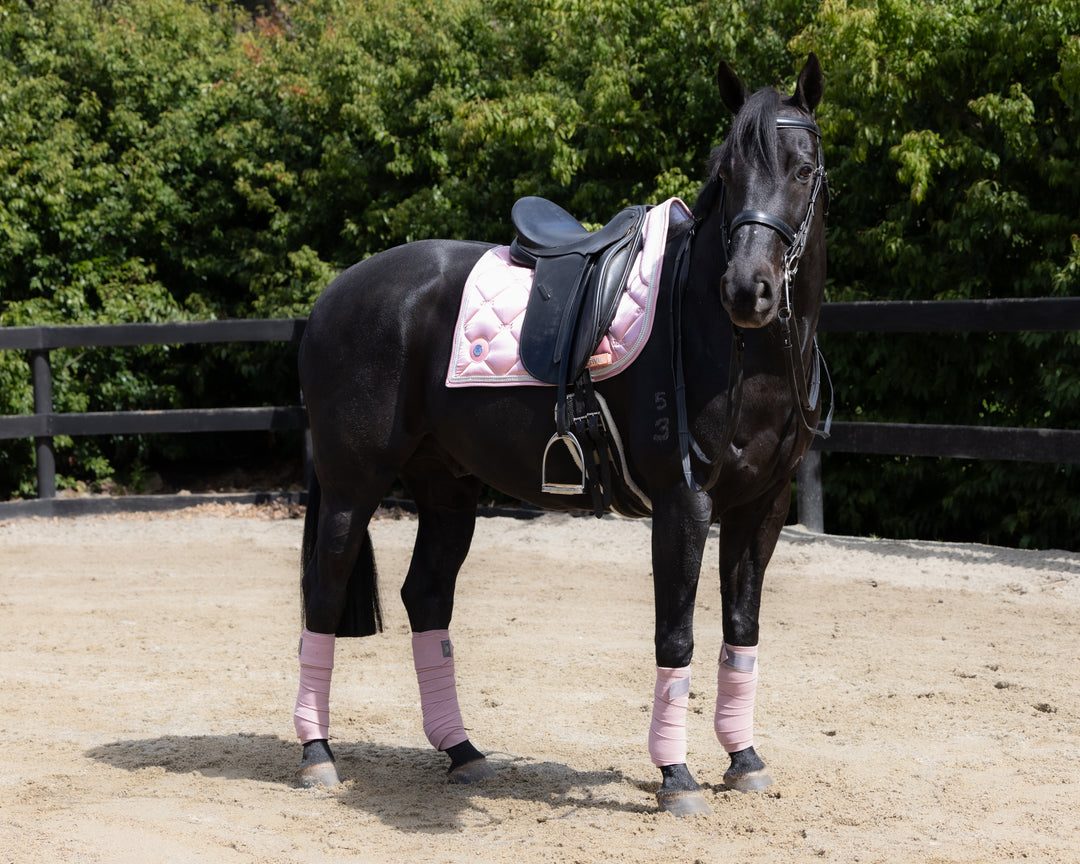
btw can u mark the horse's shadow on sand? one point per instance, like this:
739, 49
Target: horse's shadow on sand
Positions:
404, 787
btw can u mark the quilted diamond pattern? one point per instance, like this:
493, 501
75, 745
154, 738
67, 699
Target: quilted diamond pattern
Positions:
488, 332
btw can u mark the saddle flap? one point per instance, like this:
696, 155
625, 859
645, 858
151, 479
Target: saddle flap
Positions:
551, 315
572, 303
613, 272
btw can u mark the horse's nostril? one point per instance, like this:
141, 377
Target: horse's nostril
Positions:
764, 287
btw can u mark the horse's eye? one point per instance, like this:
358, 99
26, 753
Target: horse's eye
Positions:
805, 173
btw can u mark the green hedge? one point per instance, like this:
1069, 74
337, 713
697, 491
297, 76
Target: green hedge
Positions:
168, 159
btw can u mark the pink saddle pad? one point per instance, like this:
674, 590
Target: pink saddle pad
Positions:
488, 330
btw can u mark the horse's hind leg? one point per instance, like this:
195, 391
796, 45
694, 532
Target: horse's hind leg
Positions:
446, 516
339, 565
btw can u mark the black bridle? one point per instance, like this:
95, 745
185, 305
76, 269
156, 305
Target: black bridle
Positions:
805, 397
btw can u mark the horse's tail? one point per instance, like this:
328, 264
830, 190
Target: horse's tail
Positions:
362, 615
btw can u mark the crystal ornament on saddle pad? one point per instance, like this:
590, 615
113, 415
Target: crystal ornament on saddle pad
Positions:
488, 331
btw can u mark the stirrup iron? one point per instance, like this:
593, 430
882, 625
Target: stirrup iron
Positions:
563, 488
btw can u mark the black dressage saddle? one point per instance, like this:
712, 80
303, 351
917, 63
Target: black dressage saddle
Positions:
578, 280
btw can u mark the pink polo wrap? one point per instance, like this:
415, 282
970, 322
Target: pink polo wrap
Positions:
433, 659
736, 687
667, 732
311, 718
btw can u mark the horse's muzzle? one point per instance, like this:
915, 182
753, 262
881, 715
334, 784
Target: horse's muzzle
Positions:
750, 297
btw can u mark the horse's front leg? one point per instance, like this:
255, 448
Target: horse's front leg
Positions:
747, 539
680, 526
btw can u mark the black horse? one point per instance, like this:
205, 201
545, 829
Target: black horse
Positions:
714, 416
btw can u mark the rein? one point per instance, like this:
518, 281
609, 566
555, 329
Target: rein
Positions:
806, 399
807, 402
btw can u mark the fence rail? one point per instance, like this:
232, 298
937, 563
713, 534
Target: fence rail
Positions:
966, 442
168, 333
952, 316
43, 425
958, 442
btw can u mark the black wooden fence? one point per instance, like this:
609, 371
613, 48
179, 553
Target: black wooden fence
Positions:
966, 442
43, 424
960, 442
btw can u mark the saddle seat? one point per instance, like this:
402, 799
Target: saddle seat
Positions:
545, 229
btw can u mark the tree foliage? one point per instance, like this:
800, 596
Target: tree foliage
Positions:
171, 159
954, 150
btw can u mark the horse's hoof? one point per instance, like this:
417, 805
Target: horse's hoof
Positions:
317, 774
680, 794
472, 772
682, 803
751, 781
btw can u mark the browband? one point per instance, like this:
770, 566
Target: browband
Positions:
798, 123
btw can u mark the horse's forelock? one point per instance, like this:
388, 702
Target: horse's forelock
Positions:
753, 134
753, 138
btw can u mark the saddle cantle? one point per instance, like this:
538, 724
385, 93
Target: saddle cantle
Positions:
579, 276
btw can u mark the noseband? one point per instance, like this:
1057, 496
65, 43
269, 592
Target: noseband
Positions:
806, 400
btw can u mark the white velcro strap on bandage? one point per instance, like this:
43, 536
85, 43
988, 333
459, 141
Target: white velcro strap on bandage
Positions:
738, 661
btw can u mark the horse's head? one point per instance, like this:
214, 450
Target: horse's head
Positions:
769, 178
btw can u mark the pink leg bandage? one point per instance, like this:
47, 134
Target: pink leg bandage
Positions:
667, 732
312, 715
736, 686
433, 658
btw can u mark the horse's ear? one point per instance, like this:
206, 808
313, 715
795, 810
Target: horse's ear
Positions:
810, 86
732, 90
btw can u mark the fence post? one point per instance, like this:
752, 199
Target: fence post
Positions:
46, 455
809, 503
